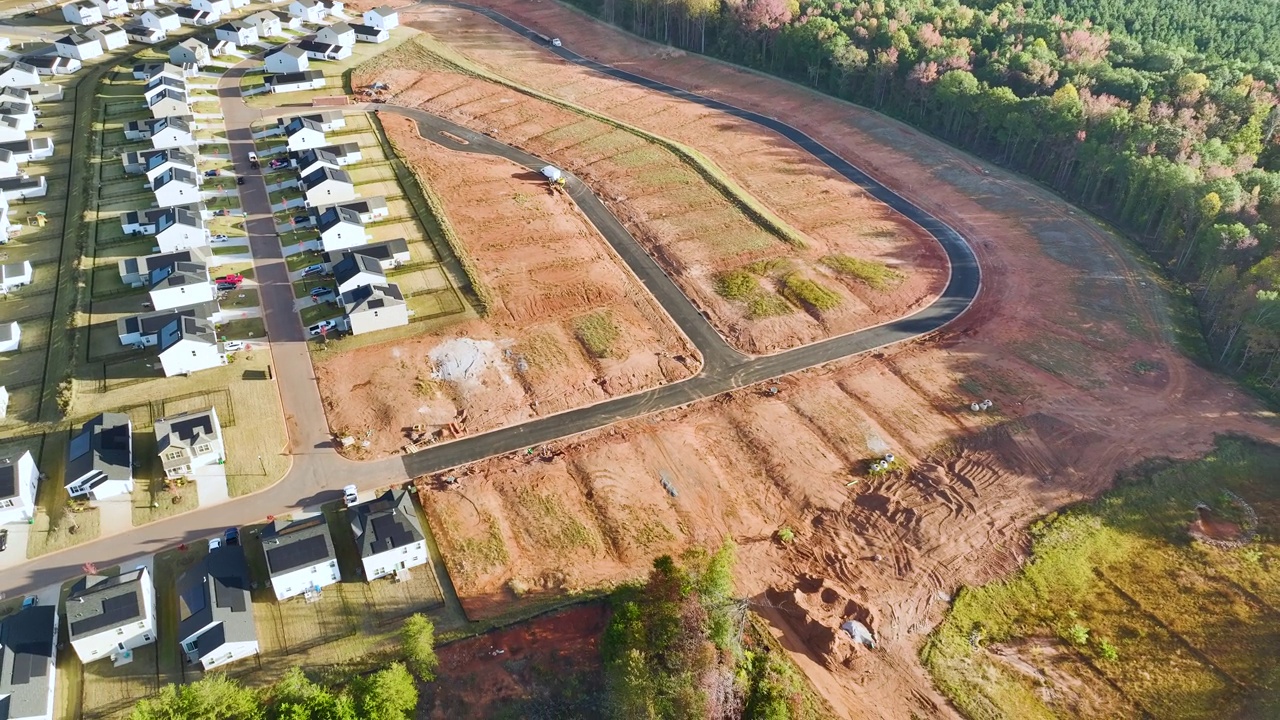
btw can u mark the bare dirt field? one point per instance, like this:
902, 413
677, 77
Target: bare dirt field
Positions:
570, 325
1072, 339
874, 265
546, 667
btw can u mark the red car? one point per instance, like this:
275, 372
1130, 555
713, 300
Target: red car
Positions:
230, 279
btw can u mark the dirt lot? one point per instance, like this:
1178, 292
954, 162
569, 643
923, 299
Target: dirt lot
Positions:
552, 274
698, 232
547, 667
1071, 339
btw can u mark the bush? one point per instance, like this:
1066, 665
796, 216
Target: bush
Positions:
873, 274
1108, 651
597, 333
765, 305
418, 643
738, 285
1078, 634
804, 291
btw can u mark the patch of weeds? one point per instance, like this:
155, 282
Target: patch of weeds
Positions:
743, 285
786, 535
1143, 367
767, 305
521, 199
427, 386
771, 266
597, 333
541, 351
803, 291
550, 525
738, 284
478, 555
873, 274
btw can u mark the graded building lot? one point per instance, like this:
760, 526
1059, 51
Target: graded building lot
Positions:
745, 276
1072, 338
570, 325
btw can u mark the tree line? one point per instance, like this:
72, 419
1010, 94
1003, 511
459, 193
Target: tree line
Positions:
1174, 145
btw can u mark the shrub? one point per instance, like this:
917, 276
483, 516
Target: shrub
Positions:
738, 285
1107, 651
873, 274
597, 333
804, 291
765, 305
1078, 634
786, 535
418, 643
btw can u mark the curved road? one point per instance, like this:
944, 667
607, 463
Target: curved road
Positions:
318, 471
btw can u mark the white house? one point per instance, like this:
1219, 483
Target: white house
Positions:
22, 112
189, 345
140, 331
339, 33
162, 82
237, 4
390, 254
112, 8
82, 13
112, 36
190, 440
300, 557
100, 458
334, 8
28, 662
14, 276
296, 82
341, 228
302, 133
25, 151
136, 271
371, 34
171, 132
221, 48
382, 17
180, 228
144, 34
327, 186
267, 23
334, 156
355, 270
78, 47
4, 406
389, 534
10, 336
288, 59
19, 74
216, 8
370, 308
148, 129
108, 616
176, 187
18, 481
52, 64
11, 129
324, 51
166, 102
179, 285
308, 10
215, 613
237, 32
195, 18
22, 187
161, 18
191, 51
155, 162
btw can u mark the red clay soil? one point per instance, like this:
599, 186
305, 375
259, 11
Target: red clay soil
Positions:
696, 232
481, 675
548, 269
1064, 317
1209, 526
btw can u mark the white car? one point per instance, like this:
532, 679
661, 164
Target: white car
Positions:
322, 326
233, 346
350, 496
555, 42
214, 544
219, 238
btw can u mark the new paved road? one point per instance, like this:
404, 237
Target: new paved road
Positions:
318, 471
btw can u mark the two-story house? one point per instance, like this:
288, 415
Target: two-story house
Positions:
187, 345
82, 13
266, 22
100, 458
28, 663
176, 186
339, 33
300, 558
215, 613
327, 186
389, 534
144, 330
108, 616
340, 228
383, 17
370, 308
188, 441
287, 59
237, 32
19, 479
390, 254
179, 285
190, 52
308, 10
136, 271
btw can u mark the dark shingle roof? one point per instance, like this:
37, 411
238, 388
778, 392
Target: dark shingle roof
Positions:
296, 545
98, 603
386, 523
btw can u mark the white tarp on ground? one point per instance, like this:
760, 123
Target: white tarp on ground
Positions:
859, 633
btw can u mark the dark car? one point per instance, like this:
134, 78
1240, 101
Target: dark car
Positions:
240, 181
301, 219
4, 540
227, 286
321, 292
231, 536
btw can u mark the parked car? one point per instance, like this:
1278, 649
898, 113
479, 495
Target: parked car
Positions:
302, 219
214, 544
227, 286
236, 278
556, 42
321, 292
4, 540
219, 238
231, 536
240, 180
310, 270
211, 173
232, 346
350, 496
274, 164
322, 326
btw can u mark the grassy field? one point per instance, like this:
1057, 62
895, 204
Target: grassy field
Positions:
1120, 614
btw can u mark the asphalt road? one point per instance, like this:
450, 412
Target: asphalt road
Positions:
318, 472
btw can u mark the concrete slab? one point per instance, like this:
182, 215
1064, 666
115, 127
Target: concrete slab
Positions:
115, 515
16, 551
211, 484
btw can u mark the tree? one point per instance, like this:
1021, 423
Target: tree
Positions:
389, 694
213, 697
418, 643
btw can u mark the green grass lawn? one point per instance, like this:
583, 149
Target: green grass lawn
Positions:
243, 329
1121, 604
313, 314
302, 288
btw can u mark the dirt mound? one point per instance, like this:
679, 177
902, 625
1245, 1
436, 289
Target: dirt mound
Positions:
816, 609
1211, 528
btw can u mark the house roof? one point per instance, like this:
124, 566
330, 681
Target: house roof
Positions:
75, 39
177, 122
292, 51
173, 175
382, 251
9, 476
384, 11
26, 655
233, 26
143, 265
367, 30
339, 28
335, 215
314, 46
298, 124
153, 159
150, 70
99, 603
187, 430
352, 264
214, 603
372, 297
296, 545
21, 183
386, 523
187, 328
107, 29
190, 13
153, 322
9, 331
44, 61
364, 205
15, 270
322, 175
179, 215
104, 447
306, 3
179, 274
294, 77
21, 67
160, 12
262, 16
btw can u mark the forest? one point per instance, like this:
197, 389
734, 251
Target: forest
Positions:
1150, 118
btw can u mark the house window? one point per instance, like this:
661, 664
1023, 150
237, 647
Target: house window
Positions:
173, 455
6, 503
95, 652
119, 631
201, 450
